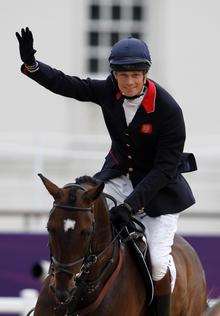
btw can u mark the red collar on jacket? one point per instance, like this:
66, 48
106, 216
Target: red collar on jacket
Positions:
148, 101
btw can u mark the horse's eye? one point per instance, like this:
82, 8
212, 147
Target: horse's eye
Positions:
50, 230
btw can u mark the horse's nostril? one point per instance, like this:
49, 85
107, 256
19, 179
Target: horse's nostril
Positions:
52, 288
62, 296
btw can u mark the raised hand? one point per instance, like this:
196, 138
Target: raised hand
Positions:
26, 46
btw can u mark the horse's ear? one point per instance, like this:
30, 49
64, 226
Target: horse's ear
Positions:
93, 193
52, 188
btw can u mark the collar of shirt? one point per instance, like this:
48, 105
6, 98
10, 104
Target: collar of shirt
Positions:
131, 106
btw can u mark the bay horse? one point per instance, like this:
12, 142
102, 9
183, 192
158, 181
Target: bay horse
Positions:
92, 273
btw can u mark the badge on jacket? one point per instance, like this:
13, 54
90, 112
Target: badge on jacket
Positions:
147, 128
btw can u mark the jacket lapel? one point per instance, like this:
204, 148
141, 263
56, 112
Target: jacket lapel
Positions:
119, 114
147, 106
140, 117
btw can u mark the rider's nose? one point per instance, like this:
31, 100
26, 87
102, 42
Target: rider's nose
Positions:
129, 82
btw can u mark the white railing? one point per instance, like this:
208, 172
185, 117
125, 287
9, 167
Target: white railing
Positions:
63, 157
26, 221
27, 300
20, 305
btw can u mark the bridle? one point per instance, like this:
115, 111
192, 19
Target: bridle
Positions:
90, 258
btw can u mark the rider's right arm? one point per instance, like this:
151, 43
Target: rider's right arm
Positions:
68, 86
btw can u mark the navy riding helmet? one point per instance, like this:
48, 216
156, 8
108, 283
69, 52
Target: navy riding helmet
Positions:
130, 54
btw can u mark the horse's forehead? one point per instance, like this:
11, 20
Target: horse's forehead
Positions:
60, 218
73, 193
67, 219
58, 215
58, 222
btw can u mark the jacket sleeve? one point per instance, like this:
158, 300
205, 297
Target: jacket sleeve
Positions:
169, 151
65, 85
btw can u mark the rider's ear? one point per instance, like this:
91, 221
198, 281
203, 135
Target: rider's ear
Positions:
52, 188
92, 194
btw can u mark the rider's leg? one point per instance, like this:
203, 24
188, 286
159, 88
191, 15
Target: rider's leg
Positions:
160, 233
120, 188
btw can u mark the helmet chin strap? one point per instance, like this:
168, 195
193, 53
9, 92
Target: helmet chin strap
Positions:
137, 95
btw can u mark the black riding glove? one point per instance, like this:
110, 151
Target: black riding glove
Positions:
26, 46
120, 215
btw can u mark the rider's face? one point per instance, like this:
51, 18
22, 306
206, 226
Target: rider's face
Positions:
130, 83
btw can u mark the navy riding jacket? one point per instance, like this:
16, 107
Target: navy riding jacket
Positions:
149, 149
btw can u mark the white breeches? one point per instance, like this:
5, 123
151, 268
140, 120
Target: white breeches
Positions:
159, 230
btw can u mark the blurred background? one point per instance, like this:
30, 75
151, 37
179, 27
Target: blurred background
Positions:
62, 138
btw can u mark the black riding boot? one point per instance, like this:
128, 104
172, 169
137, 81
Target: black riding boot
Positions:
162, 296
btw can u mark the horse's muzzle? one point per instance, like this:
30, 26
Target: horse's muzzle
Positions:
63, 296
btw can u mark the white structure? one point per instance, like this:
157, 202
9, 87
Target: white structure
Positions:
26, 302
19, 305
43, 132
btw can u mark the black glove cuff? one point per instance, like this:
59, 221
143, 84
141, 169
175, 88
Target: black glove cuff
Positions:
28, 57
32, 68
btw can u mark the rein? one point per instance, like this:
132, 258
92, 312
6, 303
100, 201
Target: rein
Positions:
86, 260
104, 280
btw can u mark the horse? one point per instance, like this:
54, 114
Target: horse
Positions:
92, 273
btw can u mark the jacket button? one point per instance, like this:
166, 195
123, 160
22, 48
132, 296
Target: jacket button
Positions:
128, 145
126, 134
130, 169
129, 157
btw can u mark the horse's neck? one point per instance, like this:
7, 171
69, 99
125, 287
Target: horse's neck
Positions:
103, 231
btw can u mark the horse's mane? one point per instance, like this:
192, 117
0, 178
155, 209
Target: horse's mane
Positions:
86, 179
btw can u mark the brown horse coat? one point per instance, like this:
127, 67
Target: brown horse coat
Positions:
127, 295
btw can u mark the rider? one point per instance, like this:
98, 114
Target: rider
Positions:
143, 168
